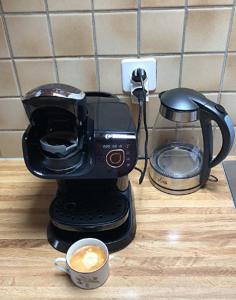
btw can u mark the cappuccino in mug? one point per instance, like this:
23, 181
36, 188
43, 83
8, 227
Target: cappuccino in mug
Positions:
86, 262
88, 259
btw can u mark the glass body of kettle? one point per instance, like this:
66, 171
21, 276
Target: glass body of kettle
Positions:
176, 148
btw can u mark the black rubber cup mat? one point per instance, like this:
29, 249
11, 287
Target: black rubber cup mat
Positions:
90, 212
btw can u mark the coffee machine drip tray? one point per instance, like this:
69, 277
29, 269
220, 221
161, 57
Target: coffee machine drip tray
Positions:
93, 211
101, 212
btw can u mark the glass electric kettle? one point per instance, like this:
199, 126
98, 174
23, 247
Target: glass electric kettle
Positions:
182, 141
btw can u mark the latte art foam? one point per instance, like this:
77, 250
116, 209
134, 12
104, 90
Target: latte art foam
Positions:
88, 259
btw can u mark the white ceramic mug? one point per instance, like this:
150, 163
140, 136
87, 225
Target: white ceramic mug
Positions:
88, 280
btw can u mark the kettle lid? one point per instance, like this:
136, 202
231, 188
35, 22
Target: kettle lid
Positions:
180, 99
178, 105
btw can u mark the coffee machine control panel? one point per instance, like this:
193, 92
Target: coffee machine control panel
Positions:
115, 158
117, 152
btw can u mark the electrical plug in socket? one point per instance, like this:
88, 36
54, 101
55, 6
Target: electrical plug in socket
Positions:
131, 64
136, 84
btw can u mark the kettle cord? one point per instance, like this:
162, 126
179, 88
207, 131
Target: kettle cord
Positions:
213, 178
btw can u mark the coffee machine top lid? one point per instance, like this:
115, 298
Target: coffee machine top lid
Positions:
178, 105
55, 90
55, 96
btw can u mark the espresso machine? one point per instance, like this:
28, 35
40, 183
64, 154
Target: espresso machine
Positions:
87, 143
182, 141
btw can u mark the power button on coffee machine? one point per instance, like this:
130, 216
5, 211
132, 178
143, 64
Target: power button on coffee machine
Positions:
115, 158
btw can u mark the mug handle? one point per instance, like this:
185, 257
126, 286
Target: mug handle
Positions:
58, 266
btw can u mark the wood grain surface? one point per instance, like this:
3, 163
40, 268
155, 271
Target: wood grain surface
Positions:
185, 246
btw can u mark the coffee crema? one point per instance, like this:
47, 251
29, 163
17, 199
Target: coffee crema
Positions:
88, 259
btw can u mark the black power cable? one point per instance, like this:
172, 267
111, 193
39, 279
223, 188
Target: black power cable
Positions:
139, 75
213, 178
140, 111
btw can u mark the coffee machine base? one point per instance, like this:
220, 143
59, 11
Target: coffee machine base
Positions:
116, 235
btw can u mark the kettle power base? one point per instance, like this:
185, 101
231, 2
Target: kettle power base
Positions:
116, 237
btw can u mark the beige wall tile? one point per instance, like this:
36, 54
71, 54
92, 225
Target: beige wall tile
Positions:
232, 43
161, 3
167, 72
4, 52
209, 2
161, 31
72, 34
202, 72
12, 114
10, 145
80, 73
228, 100
35, 72
230, 71
218, 143
8, 85
69, 4
207, 29
211, 96
116, 33
115, 4
29, 35
23, 5
110, 75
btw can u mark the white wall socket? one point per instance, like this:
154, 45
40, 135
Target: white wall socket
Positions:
130, 64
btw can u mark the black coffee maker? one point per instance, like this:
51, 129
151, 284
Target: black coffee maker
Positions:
87, 142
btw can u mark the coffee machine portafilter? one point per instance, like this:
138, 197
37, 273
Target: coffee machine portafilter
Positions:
87, 143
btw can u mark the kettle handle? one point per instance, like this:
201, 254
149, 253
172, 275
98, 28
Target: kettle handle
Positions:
215, 112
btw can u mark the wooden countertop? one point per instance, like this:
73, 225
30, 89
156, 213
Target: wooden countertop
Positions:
185, 246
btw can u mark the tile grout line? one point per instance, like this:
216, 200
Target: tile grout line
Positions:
196, 7
138, 28
221, 84
10, 50
118, 10
95, 47
183, 43
11, 130
118, 55
51, 41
